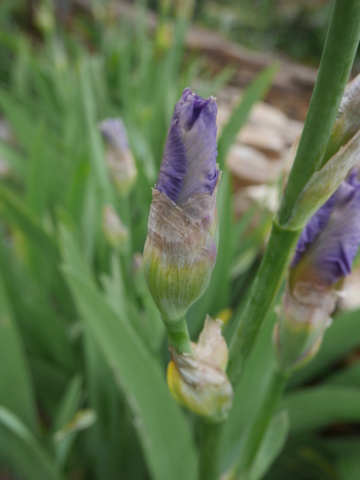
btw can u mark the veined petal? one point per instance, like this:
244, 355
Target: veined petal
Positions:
189, 160
330, 255
201, 151
315, 225
174, 163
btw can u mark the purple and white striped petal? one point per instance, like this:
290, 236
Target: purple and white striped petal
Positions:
189, 160
314, 226
331, 239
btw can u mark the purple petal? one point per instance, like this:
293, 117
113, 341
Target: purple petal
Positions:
174, 163
314, 226
333, 250
189, 160
114, 133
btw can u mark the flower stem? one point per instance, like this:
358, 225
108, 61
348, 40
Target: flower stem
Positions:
337, 59
209, 461
338, 56
263, 292
258, 428
178, 336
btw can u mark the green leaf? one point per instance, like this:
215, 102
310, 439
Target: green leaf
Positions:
161, 425
22, 217
344, 452
318, 407
348, 376
96, 150
248, 396
42, 328
271, 446
69, 404
348, 466
22, 452
13, 159
50, 381
16, 389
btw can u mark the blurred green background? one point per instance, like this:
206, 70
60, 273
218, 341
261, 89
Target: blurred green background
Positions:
82, 352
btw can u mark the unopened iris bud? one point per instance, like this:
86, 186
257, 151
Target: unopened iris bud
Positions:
181, 247
198, 381
119, 158
116, 233
324, 256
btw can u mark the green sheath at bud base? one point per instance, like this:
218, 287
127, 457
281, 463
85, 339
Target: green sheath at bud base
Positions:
180, 251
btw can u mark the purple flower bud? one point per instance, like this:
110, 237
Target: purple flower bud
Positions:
189, 160
330, 240
114, 133
324, 256
181, 246
119, 158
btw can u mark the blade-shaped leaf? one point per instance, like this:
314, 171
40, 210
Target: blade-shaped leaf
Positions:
161, 426
271, 446
314, 408
22, 452
16, 390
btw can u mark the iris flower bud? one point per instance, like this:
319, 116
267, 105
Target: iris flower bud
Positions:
119, 158
181, 247
198, 381
116, 233
323, 257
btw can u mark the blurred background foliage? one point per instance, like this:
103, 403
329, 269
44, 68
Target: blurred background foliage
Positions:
82, 352
297, 29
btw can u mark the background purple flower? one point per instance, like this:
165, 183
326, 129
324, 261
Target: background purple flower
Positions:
189, 159
331, 238
114, 133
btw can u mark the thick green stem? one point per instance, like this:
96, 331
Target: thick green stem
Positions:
263, 292
339, 52
178, 336
258, 428
209, 454
335, 66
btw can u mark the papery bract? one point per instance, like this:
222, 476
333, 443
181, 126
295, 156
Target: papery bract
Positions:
198, 381
324, 256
